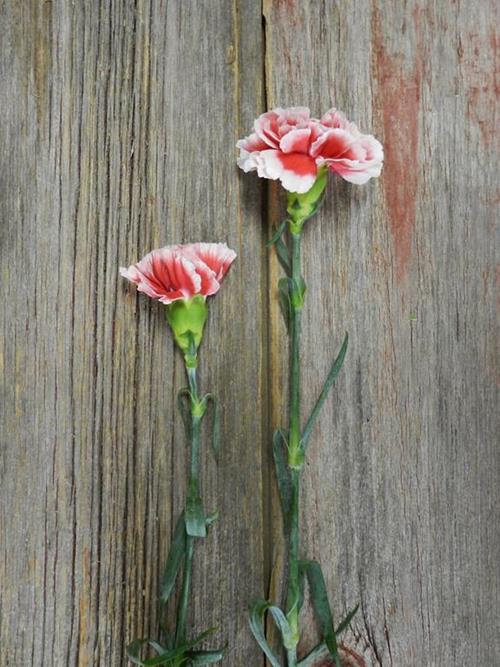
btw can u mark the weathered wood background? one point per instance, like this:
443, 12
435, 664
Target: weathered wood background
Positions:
118, 124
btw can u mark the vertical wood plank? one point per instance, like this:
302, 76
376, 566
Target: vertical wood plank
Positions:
403, 475
119, 127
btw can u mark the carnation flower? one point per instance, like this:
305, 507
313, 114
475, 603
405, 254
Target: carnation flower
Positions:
289, 145
181, 271
182, 276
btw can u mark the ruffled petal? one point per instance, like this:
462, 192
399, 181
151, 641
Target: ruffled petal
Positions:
334, 143
296, 141
297, 172
165, 275
216, 256
266, 129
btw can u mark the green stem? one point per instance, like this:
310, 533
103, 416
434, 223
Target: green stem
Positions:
296, 299
295, 455
180, 635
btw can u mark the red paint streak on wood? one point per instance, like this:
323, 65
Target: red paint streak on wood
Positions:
399, 93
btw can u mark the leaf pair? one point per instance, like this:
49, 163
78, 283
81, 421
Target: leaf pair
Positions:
258, 609
175, 656
187, 416
257, 612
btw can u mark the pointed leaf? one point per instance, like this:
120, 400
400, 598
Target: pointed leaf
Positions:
284, 298
207, 657
174, 560
319, 598
332, 376
311, 658
283, 256
345, 622
164, 657
282, 473
278, 233
199, 638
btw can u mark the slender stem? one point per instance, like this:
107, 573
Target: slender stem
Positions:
180, 635
293, 567
294, 452
294, 432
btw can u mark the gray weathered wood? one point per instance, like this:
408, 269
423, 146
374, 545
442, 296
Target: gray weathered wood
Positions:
402, 490
117, 129
119, 124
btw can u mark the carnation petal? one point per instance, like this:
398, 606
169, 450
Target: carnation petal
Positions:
296, 141
164, 275
266, 128
212, 262
334, 143
296, 171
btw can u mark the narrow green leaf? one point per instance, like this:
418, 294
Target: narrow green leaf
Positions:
257, 612
207, 657
283, 256
195, 517
199, 638
332, 376
345, 622
316, 653
157, 646
311, 658
185, 411
174, 560
284, 298
319, 597
180, 654
282, 473
277, 234
164, 657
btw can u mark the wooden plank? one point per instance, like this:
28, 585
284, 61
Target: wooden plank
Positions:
119, 124
403, 479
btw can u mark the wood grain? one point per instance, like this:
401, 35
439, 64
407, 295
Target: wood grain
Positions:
120, 121
118, 125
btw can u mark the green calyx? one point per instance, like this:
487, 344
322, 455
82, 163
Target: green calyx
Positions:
302, 206
187, 319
